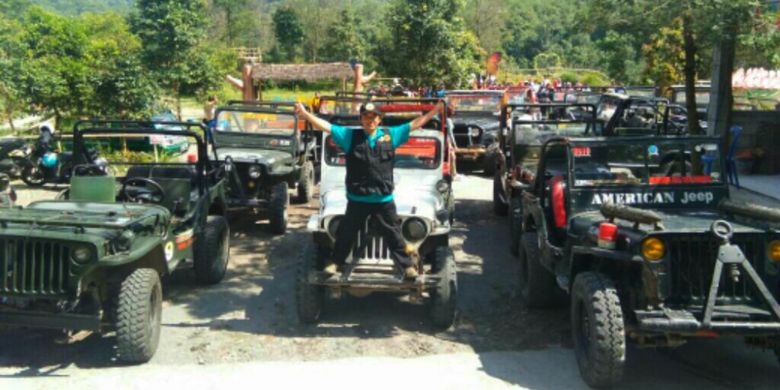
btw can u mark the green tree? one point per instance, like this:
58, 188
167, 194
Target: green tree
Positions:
289, 33
238, 25
343, 41
55, 75
11, 58
429, 43
113, 52
172, 33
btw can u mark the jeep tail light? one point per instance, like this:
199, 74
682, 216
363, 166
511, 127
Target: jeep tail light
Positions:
774, 251
192, 158
607, 235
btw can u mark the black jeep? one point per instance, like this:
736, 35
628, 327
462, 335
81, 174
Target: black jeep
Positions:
272, 151
476, 126
646, 256
527, 127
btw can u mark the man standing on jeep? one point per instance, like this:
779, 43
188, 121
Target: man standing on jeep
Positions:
370, 158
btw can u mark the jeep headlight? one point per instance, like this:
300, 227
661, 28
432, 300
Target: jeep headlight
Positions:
474, 132
414, 229
81, 254
773, 250
254, 171
653, 249
124, 241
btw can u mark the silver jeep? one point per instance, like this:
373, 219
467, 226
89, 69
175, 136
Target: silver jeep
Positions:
424, 204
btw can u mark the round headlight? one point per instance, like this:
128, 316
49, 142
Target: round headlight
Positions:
773, 250
653, 249
254, 171
474, 132
124, 241
81, 254
414, 229
333, 226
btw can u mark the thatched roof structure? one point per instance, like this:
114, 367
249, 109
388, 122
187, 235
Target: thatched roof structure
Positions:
308, 72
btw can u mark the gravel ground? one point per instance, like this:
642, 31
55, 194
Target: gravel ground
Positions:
250, 318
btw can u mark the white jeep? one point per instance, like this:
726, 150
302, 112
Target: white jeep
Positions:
424, 204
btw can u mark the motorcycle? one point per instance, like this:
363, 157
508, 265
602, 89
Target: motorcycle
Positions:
52, 167
13, 152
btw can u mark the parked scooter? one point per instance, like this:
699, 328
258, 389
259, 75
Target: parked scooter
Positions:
13, 153
45, 165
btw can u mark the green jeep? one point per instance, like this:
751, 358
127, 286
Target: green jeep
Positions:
271, 152
647, 254
94, 259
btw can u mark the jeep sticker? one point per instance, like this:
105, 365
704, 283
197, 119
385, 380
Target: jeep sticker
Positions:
168, 251
663, 197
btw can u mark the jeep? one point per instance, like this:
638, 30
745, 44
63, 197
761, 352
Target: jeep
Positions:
646, 256
271, 152
476, 126
94, 259
424, 202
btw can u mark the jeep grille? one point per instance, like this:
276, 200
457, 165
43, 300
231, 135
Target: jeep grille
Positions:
34, 267
370, 245
693, 260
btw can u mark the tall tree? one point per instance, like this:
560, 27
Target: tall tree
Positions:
429, 43
343, 41
288, 31
12, 50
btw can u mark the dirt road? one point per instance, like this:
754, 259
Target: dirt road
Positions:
248, 321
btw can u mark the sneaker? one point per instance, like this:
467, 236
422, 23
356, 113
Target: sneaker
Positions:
410, 272
330, 268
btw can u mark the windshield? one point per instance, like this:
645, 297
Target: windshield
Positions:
260, 123
339, 107
417, 153
654, 162
702, 97
475, 103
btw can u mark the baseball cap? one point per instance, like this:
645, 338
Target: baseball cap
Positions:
370, 107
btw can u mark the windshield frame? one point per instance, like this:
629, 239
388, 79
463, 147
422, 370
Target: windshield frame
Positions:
244, 109
326, 142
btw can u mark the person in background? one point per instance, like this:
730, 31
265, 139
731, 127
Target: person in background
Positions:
370, 153
315, 102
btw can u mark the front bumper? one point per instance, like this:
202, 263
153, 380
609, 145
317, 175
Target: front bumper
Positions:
36, 319
743, 320
475, 153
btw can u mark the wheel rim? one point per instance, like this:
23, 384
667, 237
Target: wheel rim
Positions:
35, 175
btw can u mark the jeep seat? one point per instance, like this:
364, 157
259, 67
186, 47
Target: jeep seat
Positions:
93, 189
177, 182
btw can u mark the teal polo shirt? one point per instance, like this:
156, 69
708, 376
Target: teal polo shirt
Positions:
342, 137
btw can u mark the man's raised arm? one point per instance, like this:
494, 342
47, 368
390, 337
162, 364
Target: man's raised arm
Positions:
420, 121
317, 122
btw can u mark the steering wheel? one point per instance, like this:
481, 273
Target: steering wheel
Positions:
88, 170
143, 190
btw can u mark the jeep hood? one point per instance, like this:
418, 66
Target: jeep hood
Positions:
78, 221
414, 195
673, 221
253, 155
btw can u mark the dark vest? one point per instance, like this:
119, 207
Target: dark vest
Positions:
370, 170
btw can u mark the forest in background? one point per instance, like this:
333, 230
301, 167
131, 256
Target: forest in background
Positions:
119, 57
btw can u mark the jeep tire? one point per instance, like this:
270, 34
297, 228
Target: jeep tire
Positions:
500, 205
139, 310
597, 329
212, 251
305, 185
309, 298
538, 288
444, 297
489, 161
277, 209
